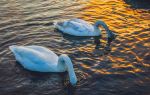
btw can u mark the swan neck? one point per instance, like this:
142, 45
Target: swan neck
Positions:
69, 67
101, 23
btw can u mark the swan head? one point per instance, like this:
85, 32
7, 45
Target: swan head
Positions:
110, 33
73, 81
69, 67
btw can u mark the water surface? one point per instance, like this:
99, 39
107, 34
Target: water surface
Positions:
123, 71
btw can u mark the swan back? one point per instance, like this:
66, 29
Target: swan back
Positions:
36, 58
77, 27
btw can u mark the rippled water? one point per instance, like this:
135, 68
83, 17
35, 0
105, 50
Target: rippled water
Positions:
123, 71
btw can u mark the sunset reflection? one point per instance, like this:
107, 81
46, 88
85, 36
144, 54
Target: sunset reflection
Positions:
131, 25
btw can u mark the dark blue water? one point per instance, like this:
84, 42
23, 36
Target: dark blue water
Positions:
123, 71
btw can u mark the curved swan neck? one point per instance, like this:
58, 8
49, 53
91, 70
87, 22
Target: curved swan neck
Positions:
64, 59
101, 23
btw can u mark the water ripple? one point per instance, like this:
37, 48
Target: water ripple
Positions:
123, 71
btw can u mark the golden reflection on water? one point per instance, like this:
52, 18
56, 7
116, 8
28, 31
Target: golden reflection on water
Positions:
28, 22
133, 28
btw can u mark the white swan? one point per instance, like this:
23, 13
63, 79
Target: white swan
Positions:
79, 27
41, 59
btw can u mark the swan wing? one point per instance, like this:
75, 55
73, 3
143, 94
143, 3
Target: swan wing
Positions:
33, 58
50, 55
45, 51
85, 23
77, 27
76, 24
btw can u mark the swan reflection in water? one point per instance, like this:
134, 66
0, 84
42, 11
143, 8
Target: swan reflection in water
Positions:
68, 88
97, 42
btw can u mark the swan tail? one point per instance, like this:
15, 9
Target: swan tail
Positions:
55, 23
16, 49
13, 48
58, 24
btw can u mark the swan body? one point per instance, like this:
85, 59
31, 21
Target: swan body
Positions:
79, 27
41, 59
